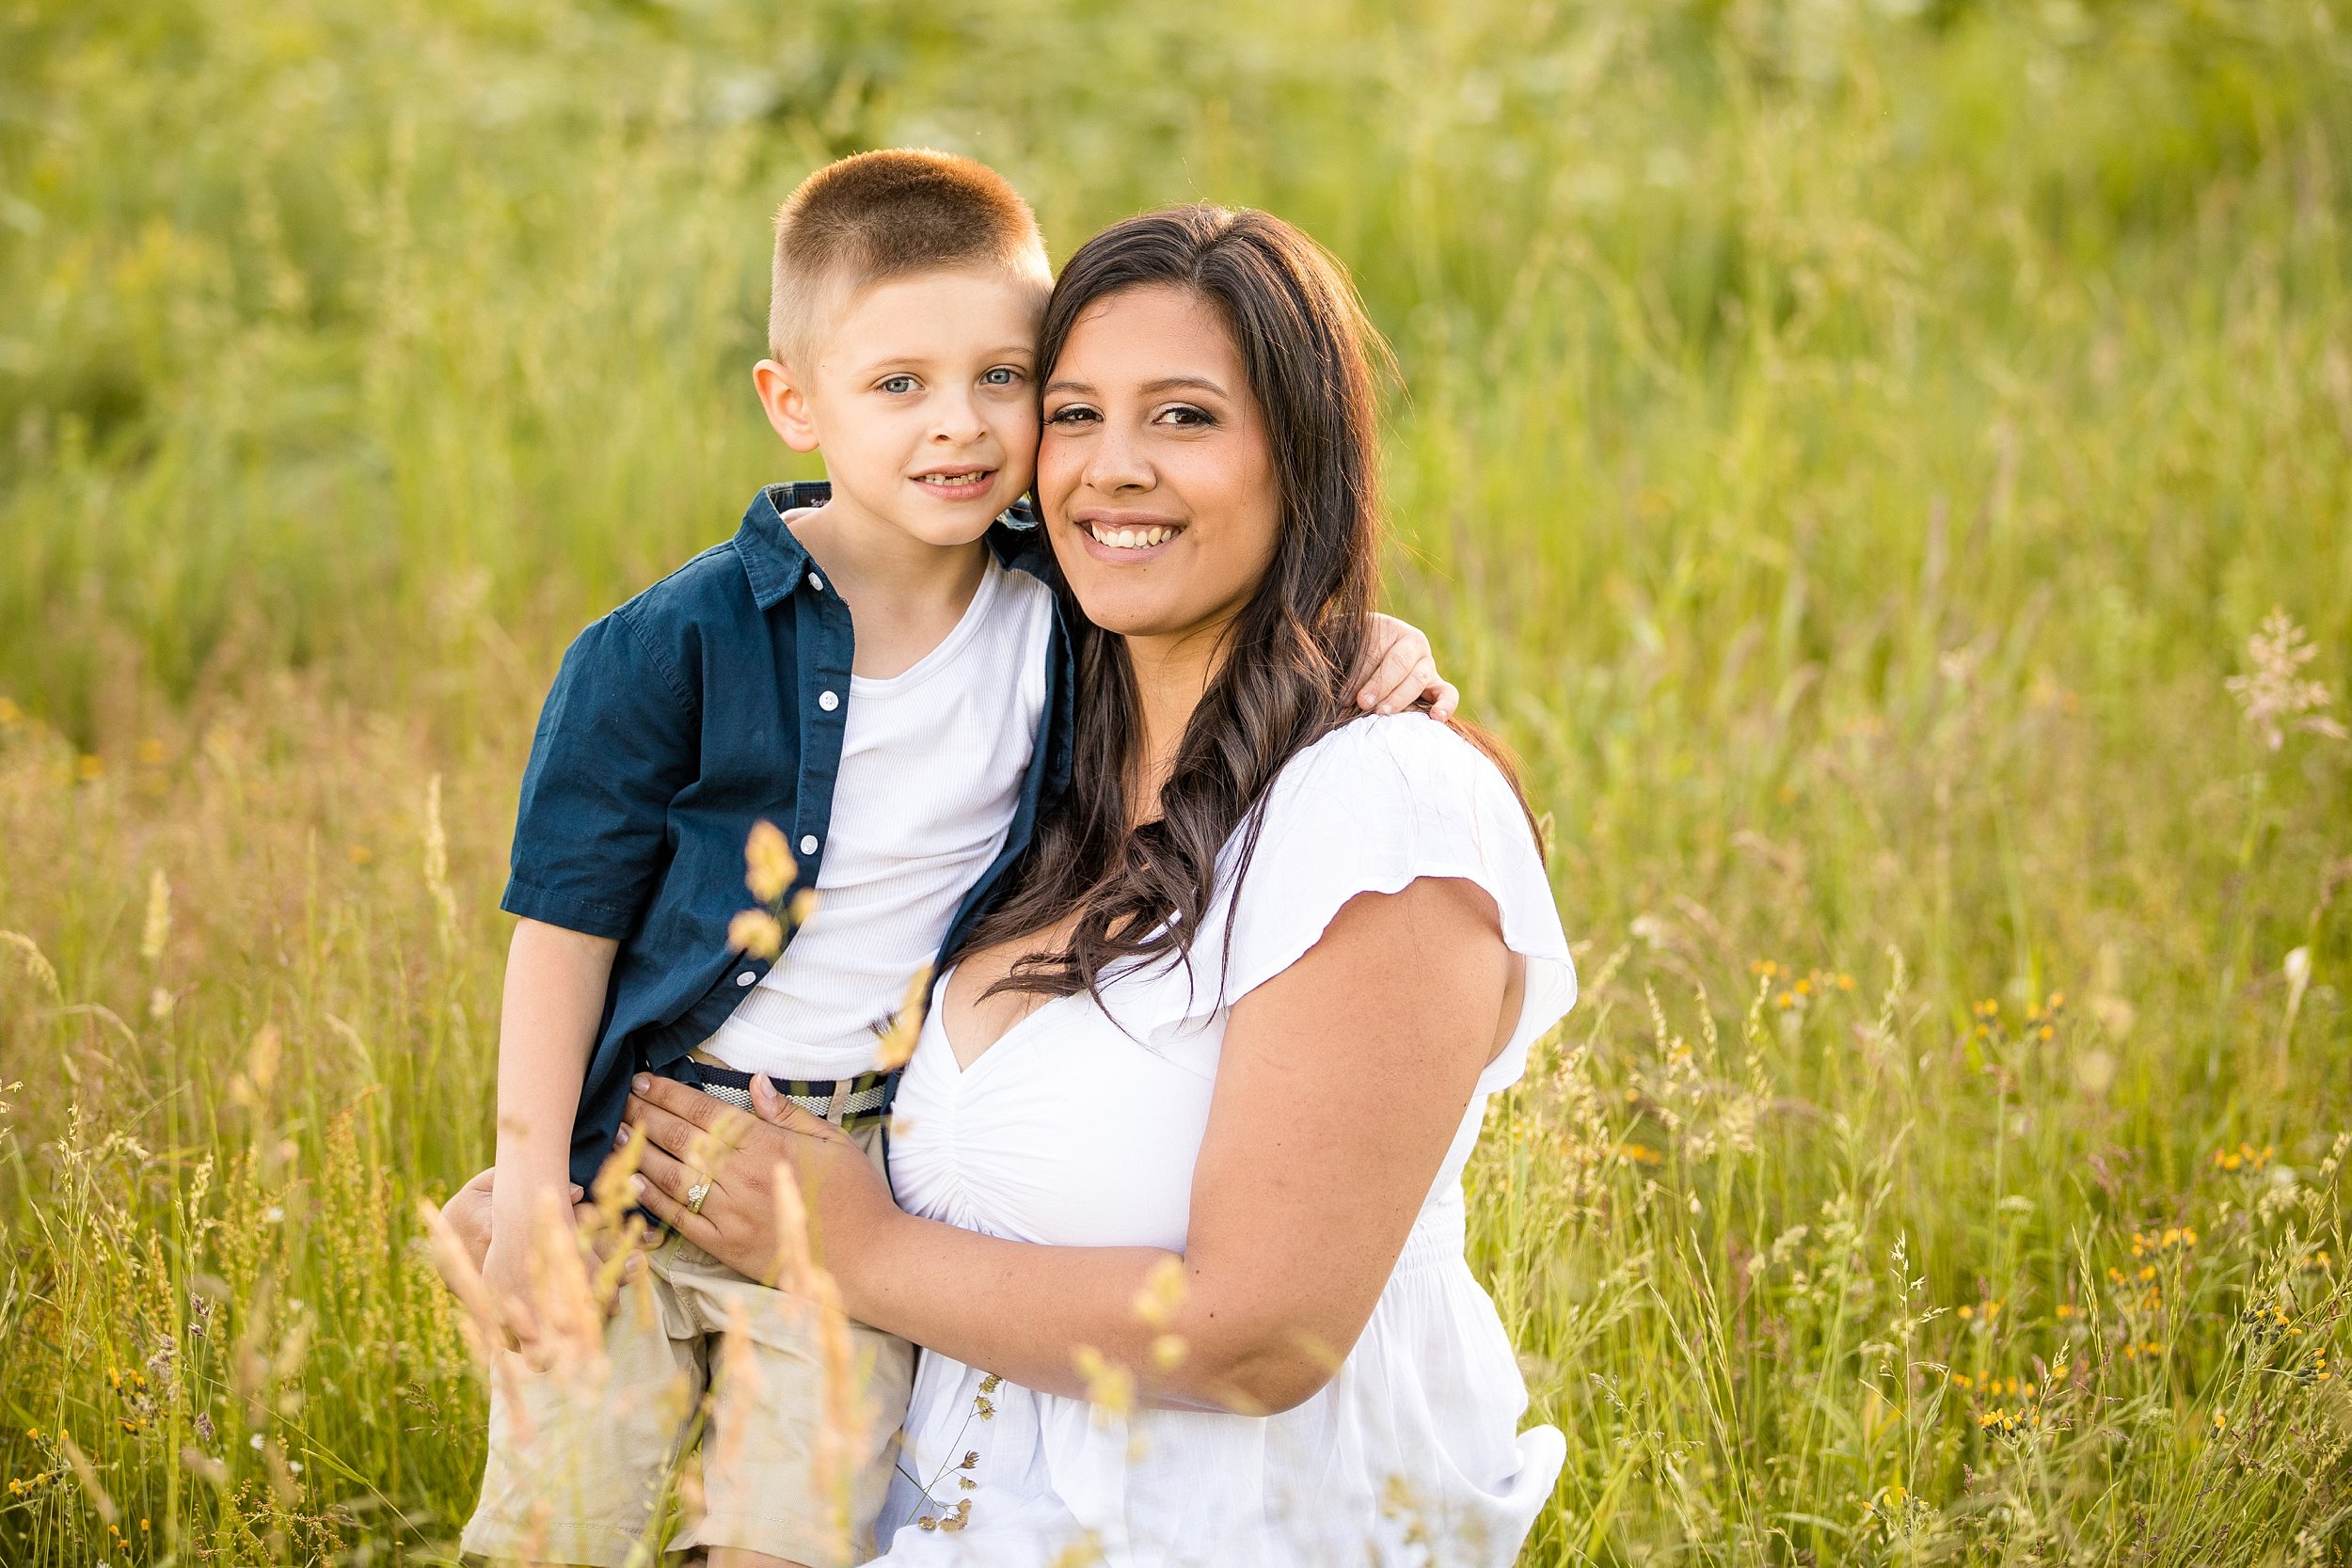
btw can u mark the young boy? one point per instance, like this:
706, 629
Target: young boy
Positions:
906, 766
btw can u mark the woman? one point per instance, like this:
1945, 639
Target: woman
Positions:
1192, 1107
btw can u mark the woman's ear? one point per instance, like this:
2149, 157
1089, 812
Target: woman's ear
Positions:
785, 401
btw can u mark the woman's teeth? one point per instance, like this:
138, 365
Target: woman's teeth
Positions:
1129, 538
954, 481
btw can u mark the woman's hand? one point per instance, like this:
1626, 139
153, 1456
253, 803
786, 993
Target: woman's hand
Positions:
1404, 672
687, 1136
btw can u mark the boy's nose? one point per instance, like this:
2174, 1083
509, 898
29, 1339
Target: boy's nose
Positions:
959, 424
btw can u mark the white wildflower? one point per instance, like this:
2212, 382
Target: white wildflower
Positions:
2273, 693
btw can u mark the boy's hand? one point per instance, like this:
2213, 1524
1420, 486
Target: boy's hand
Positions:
468, 1215
1404, 672
506, 1273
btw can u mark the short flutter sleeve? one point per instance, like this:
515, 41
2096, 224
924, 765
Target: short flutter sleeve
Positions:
1372, 807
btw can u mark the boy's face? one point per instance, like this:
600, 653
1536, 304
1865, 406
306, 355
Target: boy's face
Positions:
923, 396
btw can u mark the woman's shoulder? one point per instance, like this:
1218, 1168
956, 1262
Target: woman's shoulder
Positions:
1382, 801
1370, 808
1373, 807
1404, 770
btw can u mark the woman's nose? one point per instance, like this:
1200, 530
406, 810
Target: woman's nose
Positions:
1116, 461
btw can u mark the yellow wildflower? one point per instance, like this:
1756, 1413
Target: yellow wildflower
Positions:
757, 932
770, 866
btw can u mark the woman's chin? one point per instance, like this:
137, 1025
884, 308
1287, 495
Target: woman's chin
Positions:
1114, 600
1123, 620
1166, 607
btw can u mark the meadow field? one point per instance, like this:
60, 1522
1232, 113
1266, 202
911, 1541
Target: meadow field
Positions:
1886, 468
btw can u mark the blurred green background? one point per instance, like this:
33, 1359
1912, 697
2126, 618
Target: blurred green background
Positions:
319, 315
1845, 449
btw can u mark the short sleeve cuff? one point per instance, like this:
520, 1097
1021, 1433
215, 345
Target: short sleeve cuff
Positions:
588, 916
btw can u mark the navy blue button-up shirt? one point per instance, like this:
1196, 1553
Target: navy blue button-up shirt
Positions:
677, 722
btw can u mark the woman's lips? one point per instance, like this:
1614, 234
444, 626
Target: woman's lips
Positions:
1127, 539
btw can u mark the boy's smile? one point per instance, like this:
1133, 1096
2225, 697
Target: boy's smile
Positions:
957, 485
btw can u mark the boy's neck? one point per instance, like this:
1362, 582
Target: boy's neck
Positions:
874, 561
905, 593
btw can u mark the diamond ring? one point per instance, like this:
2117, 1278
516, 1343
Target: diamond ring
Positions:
694, 1195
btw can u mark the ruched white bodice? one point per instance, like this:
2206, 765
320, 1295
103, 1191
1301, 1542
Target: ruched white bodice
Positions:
1080, 1127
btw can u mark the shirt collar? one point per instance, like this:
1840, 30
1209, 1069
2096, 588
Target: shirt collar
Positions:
1019, 541
775, 561
773, 557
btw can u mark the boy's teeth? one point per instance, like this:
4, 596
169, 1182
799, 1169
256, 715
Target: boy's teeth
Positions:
972, 477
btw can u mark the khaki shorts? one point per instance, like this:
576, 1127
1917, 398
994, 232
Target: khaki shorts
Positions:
582, 1458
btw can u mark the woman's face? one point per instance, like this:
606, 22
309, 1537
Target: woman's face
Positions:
1155, 468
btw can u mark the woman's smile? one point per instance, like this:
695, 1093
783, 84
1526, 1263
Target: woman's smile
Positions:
1125, 538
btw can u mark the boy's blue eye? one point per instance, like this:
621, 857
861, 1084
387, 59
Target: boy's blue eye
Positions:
1003, 375
898, 384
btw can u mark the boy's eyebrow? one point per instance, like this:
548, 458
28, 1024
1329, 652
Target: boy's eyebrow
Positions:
918, 357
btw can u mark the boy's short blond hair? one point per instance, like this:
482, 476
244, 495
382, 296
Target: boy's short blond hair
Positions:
879, 215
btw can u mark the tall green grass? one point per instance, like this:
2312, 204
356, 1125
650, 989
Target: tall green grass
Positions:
1845, 449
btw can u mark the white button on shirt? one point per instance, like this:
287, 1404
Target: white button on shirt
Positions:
808, 844
817, 583
829, 700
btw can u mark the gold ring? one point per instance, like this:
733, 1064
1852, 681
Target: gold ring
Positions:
694, 1195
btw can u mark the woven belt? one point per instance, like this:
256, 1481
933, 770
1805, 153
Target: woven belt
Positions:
848, 1103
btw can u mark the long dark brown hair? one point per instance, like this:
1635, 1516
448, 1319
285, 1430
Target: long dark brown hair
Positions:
1290, 656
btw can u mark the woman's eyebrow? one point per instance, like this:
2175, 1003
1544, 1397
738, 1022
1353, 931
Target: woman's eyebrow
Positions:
1165, 384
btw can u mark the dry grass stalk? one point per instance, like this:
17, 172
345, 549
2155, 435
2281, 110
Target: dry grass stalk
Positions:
847, 1414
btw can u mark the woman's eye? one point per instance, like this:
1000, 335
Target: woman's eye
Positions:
896, 384
1070, 414
1185, 416
1003, 375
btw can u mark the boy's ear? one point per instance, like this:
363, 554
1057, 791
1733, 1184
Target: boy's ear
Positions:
787, 404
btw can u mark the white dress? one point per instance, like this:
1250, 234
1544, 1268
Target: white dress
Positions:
1073, 1130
